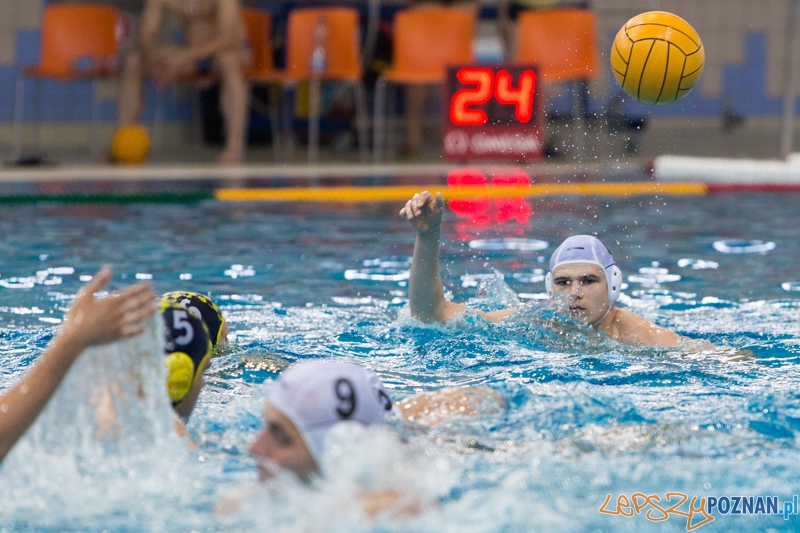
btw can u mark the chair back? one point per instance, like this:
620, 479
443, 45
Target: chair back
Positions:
561, 42
258, 23
72, 31
342, 42
428, 39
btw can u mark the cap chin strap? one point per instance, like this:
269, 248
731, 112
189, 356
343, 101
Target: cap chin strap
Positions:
610, 307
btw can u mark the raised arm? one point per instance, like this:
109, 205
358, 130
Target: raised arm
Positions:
426, 297
90, 321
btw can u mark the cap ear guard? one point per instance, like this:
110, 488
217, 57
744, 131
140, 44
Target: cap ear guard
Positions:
187, 347
180, 375
614, 280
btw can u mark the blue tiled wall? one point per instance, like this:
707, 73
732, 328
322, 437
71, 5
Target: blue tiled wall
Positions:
67, 102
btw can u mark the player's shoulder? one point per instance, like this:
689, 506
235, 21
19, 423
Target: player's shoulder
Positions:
632, 327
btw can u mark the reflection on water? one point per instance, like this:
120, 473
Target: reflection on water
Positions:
586, 417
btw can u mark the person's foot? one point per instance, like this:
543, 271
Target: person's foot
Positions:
230, 156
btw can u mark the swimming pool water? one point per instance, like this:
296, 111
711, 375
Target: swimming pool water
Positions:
586, 417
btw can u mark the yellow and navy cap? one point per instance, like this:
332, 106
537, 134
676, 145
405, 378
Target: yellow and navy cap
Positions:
202, 307
187, 346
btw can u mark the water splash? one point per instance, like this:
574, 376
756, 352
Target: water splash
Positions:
104, 441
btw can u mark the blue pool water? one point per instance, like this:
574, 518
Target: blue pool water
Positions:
586, 417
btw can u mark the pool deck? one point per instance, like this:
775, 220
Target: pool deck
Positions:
700, 154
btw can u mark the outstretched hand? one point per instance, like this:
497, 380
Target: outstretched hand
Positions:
91, 321
424, 211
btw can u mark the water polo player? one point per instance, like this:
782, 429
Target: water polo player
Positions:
311, 404
202, 307
582, 271
187, 346
90, 321
187, 351
317, 402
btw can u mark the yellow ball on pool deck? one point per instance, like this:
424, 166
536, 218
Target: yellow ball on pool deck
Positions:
130, 144
657, 57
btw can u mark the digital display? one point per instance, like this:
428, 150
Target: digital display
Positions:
481, 85
490, 113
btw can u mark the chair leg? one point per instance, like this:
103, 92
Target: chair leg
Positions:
197, 123
16, 134
379, 121
288, 139
362, 122
579, 119
158, 122
391, 122
37, 114
270, 110
94, 149
274, 120
314, 98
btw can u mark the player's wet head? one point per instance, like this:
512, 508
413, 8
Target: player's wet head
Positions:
586, 249
204, 308
321, 402
187, 348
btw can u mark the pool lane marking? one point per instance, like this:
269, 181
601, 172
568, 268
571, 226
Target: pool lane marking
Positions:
403, 192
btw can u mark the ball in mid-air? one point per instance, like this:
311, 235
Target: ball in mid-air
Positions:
657, 57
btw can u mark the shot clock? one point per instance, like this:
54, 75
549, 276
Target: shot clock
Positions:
489, 113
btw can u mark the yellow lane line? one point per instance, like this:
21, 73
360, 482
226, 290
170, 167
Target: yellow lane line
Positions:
404, 192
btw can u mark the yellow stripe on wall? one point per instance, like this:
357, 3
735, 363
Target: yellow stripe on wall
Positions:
404, 192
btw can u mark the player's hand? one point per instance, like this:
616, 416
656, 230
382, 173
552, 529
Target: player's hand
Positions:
91, 320
169, 62
424, 212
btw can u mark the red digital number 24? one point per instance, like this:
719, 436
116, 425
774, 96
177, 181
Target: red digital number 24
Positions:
485, 84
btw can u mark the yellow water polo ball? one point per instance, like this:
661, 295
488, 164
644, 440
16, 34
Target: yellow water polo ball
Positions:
130, 144
657, 57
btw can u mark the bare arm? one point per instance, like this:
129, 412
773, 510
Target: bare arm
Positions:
229, 35
426, 297
89, 321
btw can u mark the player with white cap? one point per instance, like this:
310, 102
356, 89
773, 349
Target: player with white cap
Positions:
316, 404
582, 271
312, 404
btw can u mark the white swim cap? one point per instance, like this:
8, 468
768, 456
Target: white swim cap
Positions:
586, 249
317, 396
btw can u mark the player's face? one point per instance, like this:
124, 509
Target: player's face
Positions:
583, 285
280, 444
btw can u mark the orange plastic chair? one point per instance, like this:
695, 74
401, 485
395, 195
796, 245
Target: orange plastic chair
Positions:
343, 55
426, 41
71, 35
259, 34
561, 42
